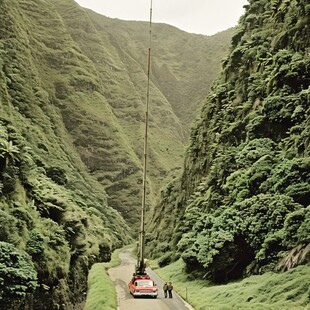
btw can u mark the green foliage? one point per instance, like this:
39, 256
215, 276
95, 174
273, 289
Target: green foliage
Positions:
35, 244
8, 152
254, 150
101, 290
23, 215
17, 273
8, 227
245, 183
297, 227
259, 223
264, 214
288, 290
76, 98
166, 259
57, 174
290, 176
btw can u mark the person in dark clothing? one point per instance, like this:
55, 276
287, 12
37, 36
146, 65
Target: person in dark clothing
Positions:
170, 288
165, 288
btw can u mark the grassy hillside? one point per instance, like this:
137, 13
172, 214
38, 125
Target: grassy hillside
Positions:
241, 204
270, 291
183, 65
117, 50
55, 220
72, 97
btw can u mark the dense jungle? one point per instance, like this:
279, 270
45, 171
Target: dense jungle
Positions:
228, 186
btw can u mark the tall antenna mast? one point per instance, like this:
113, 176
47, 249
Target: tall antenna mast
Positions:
141, 266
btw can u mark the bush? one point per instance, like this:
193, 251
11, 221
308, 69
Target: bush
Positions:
257, 226
35, 245
165, 260
17, 273
57, 174
7, 227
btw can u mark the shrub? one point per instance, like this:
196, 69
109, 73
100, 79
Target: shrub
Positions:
17, 273
57, 174
257, 226
35, 244
165, 260
7, 226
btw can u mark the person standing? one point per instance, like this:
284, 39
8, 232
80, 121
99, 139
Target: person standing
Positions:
170, 288
165, 288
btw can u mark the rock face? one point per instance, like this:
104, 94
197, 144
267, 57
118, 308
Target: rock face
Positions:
242, 199
72, 97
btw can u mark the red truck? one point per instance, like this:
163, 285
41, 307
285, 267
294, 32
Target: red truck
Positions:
142, 286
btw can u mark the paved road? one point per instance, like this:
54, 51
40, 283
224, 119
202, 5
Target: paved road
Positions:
122, 274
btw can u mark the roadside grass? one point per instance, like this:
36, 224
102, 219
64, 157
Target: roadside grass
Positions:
270, 291
101, 294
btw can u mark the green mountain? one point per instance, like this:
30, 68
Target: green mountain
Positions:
241, 203
72, 98
118, 51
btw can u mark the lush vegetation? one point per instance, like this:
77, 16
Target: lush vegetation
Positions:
241, 204
17, 273
50, 234
270, 291
72, 92
101, 292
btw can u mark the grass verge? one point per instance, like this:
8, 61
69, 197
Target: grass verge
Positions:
272, 291
101, 292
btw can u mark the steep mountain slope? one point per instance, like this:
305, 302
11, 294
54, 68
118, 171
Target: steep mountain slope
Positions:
116, 163
72, 92
181, 62
55, 221
118, 50
242, 203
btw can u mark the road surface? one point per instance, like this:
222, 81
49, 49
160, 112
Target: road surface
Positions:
122, 274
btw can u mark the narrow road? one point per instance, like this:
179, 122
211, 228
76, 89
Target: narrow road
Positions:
122, 274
